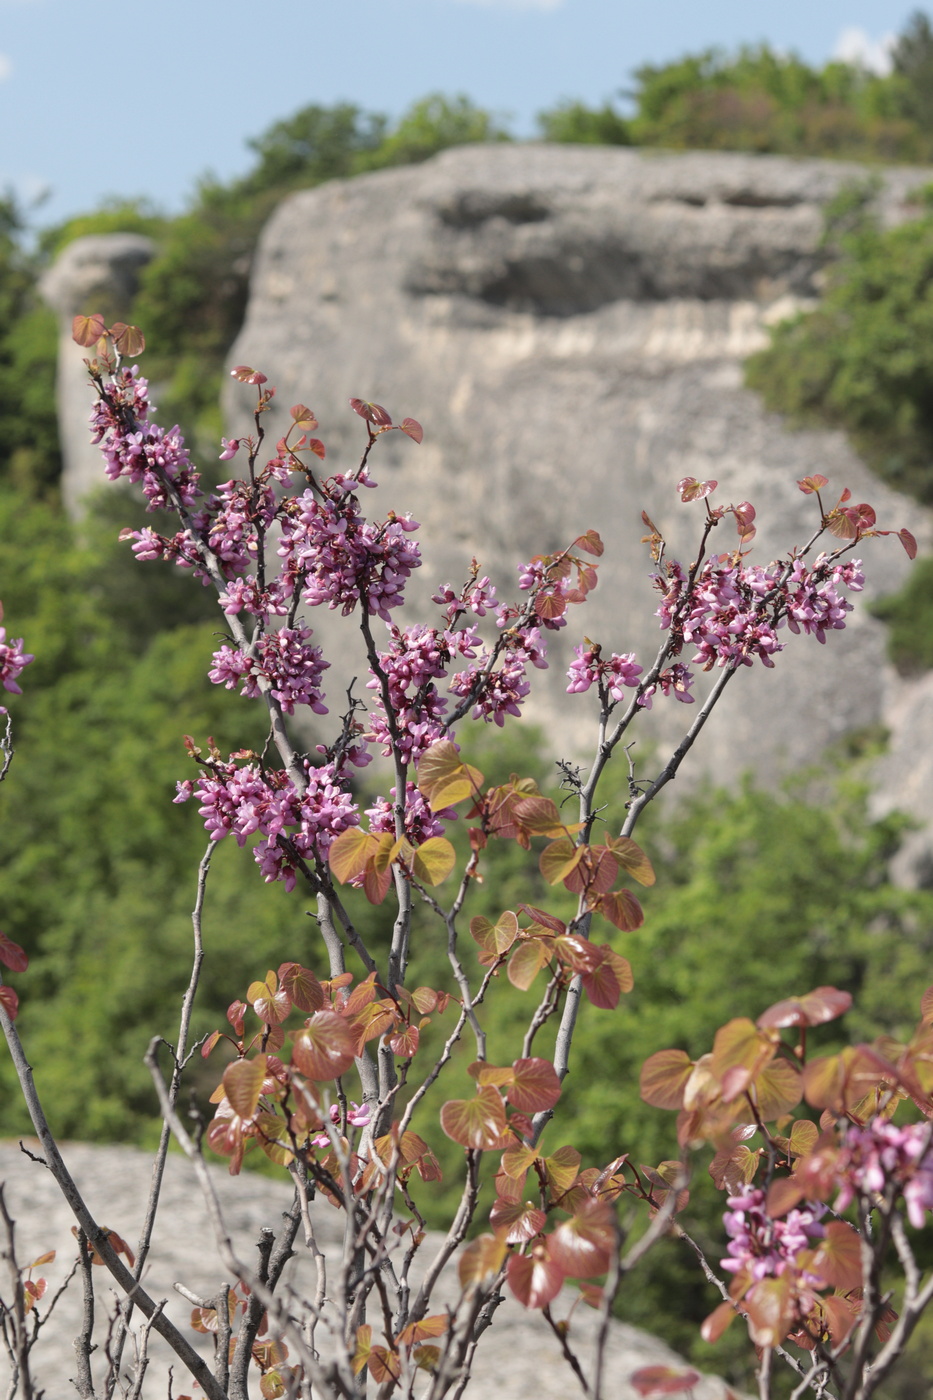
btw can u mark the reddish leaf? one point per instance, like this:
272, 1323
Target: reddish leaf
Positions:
303, 418
526, 962
534, 1278
495, 938
909, 543
813, 483
733, 1168
405, 1042
692, 490
478, 1122
632, 858
128, 340
372, 412
770, 1308
584, 1244
539, 815
9, 1001
813, 1009
662, 1380
517, 1160
270, 1002
302, 986
595, 872
838, 1259
559, 858
590, 543
325, 1048
926, 1005
413, 428
535, 1087
542, 917
664, 1077
739, 1052
777, 1089
621, 908
243, 1085
517, 1221
717, 1322
12, 955
606, 982
87, 330
481, 1259
384, 1365
434, 1326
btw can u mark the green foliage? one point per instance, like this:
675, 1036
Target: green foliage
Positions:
862, 360
99, 865
909, 615
760, 100
578, 124
114, 215
431, 125
29, 455
741, 878
316, 144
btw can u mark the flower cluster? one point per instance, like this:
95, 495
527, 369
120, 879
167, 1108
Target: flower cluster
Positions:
12, 661
357, 1117
417, 657
292, 667
420, 822
877, 1153
332, 555
761, 1247
589, 668
246, 800
498, 685
139, 450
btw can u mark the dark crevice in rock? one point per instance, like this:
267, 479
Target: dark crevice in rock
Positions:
476, 207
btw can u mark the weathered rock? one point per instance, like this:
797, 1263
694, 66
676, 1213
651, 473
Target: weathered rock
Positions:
96, 273
518, 1358
569, 325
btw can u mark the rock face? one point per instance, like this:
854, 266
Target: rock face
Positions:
96, 273
569, 326
518, 1358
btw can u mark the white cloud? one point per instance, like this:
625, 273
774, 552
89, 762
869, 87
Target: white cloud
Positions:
514, 4
856, 46
6, 67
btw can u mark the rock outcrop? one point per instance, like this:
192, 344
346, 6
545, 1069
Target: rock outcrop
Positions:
97, 273
569, 325
518, 1358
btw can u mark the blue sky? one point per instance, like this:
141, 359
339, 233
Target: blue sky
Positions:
141, 99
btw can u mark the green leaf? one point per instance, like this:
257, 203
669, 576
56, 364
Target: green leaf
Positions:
434, 860
351, 852
559, 859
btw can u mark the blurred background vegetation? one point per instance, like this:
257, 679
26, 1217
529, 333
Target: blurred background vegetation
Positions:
758, 895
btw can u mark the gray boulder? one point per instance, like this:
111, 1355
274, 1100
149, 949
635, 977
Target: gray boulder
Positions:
97, 273
569, 325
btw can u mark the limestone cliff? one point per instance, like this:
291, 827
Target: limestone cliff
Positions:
569, 325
